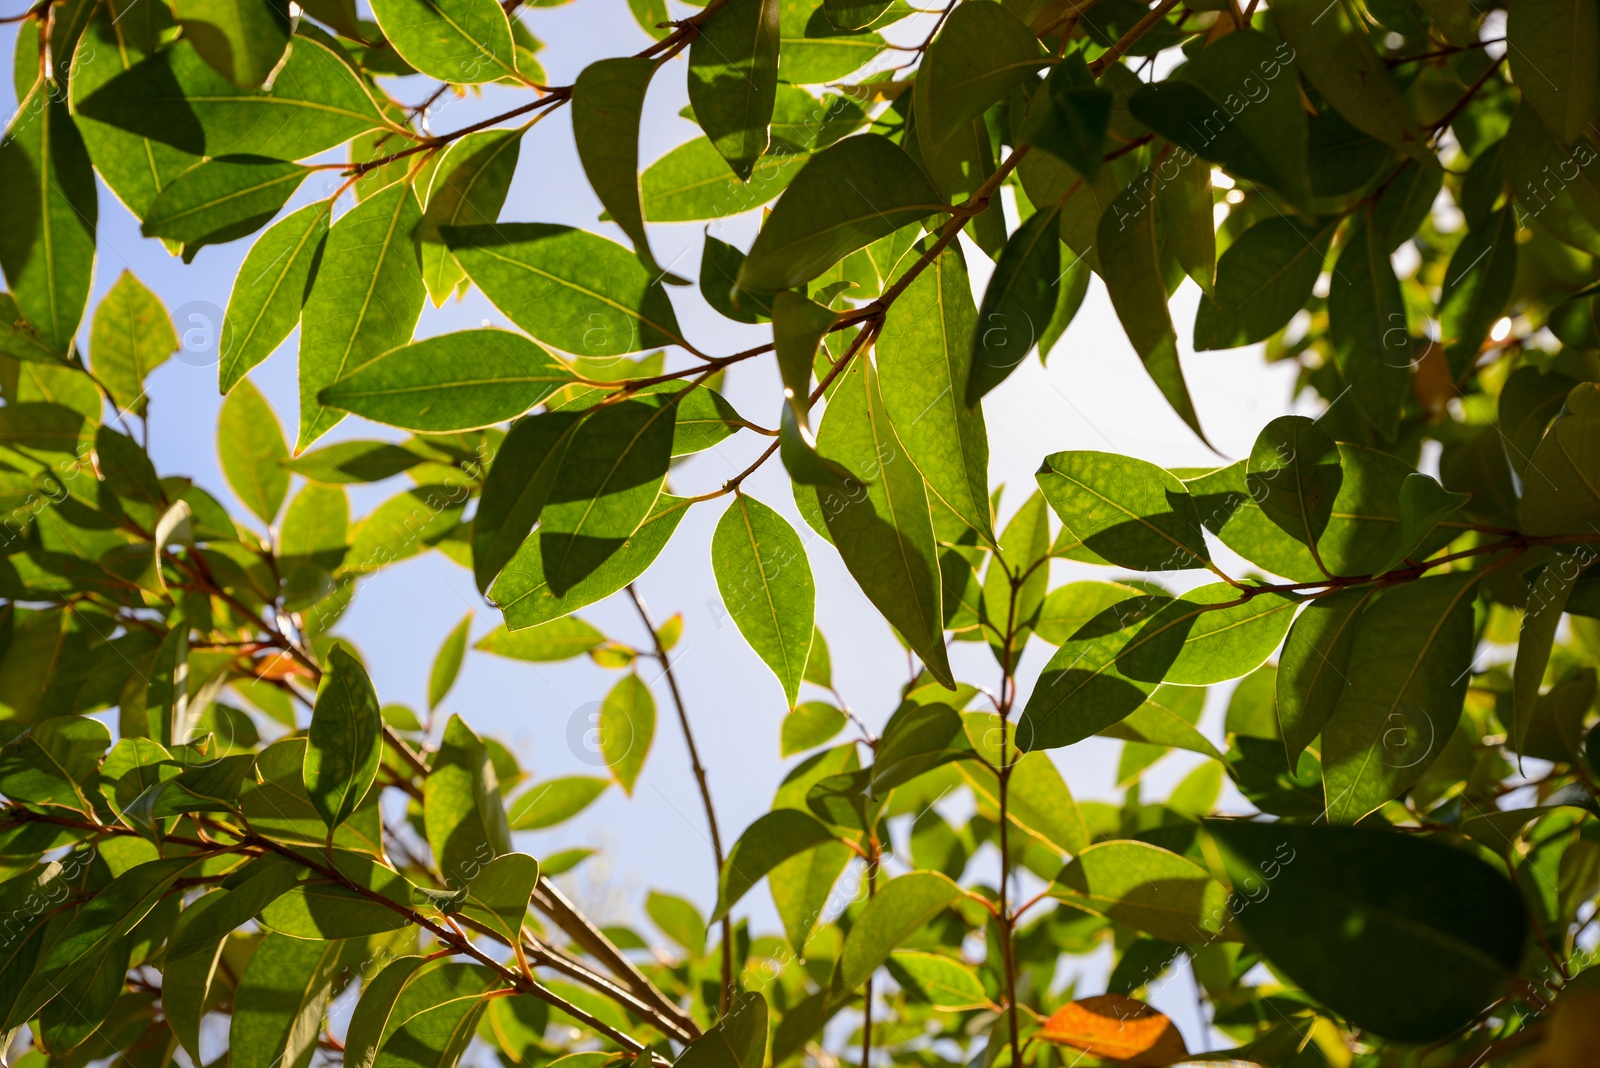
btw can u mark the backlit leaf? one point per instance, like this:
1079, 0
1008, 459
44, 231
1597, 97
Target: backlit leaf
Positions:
460, 381
924, 354
733, 80
816, 223
47, 245
367, 306
765, 581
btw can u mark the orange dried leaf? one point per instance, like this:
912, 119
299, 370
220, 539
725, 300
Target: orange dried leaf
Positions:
1117, 1028
277, 666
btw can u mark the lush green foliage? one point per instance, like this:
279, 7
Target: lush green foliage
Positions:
1400, 201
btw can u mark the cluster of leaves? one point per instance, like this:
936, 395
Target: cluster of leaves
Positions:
1391, 196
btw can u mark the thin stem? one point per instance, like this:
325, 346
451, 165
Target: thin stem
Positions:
554, 904
700, 778
456, 941
1008, 686
874, 854
1129, 39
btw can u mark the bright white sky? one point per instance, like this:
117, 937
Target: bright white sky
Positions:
1094, 395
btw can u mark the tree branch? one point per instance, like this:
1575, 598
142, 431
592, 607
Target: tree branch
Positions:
700, 778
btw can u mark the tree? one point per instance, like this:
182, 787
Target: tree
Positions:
1399, 199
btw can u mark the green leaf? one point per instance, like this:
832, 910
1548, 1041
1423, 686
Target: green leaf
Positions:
772, 839
609, 478
277, 806
458, 41
278, 1007
468, 188
1477, 287
242, 39
462, 812
373, 1018
802, 885
1071, 115
854, 14
1293, 475
368, 306
447, 662
547, 643
1560, 493
1129, 236
556, 801
737, 1040
436, 1017
1405, 201
1264, 278
54, 762
949, 985
136, 168
1069, 607
812, 50
47, 244
1554, 50
1130, 512
924, 352
1200, 107
1548, 597
626, 726
1363, 529
1016, 580
900, 908
188, 983
1419, 936
1414, 649
693, 182
1424, 504
679, 920
347, 462
982, 52
251, 447
320, 907
524, 594
405, 525
252, 888
497, 897
571, 290
222, 199
879, 519
1158, 722
346, 740
175, 97
1018, 304
819, 665
454, 382
1368, 330
131, 336
1315, 664
1149, 889
516, 489
815, 223
1114, 661
269, 291
1330, 46
798, 327
733, 80
765, 581
607, 101
809, 725
100, 922
1569, 209
1039, 801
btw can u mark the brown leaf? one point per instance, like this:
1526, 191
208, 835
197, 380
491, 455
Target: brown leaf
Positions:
1117, 1028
